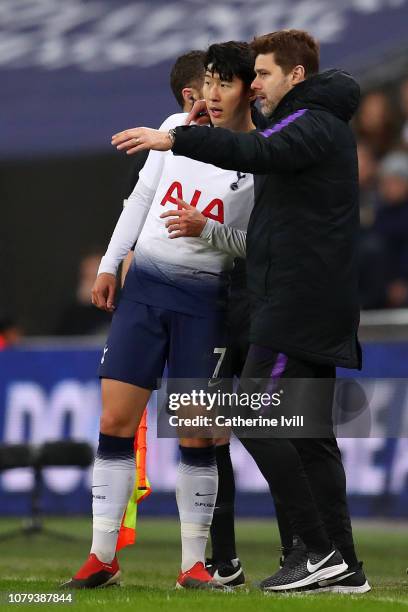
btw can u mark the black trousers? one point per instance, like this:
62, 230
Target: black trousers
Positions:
321, 459
305, 475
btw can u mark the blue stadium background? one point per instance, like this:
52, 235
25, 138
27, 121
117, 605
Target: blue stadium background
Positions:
74, 73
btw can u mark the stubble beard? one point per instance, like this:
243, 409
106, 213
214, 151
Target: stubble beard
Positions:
268, 108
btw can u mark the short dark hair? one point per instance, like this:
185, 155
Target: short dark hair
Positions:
231, 59
290, 48
188, 71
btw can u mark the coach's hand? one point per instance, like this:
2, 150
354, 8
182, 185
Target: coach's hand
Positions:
140, 139
198, 114
103, 292
186, 221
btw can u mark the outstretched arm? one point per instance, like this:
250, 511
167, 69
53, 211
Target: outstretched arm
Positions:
298, 141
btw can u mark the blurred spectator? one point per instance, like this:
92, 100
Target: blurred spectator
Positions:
375, 123
392, 225
10, 332
372, 267
404, 110
367, 178
81, 317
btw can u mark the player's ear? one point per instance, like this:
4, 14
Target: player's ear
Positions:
188, 96
298, 74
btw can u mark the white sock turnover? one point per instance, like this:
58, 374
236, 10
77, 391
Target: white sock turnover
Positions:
112, 486
196, 493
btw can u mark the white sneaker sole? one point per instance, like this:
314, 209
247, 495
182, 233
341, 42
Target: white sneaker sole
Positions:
323, 574
222, 589
346, 590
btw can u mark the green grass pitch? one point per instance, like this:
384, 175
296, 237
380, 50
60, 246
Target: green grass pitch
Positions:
149, 570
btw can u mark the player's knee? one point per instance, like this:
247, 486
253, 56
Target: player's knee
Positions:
114, 424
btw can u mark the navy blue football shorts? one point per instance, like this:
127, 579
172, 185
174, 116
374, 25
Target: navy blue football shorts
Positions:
143, 339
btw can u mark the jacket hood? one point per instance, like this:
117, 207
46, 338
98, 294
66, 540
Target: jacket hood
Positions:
334, 90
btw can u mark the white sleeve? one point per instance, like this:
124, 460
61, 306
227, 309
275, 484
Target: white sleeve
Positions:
128, 227
224, 238
134, 214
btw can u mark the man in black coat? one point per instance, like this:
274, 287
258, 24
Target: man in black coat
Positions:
301, 270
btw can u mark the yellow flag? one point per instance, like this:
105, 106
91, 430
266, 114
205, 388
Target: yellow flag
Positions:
127, 533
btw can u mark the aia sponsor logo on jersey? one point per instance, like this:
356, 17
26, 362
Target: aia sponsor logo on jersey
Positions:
214, 210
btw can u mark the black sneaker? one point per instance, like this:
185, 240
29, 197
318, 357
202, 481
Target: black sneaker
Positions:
229, 573
302, 568
352, 581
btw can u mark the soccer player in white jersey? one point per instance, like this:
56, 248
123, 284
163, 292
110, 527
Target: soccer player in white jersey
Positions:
186, 83
172, 310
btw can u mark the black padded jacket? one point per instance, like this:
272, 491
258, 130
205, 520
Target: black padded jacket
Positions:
302, 267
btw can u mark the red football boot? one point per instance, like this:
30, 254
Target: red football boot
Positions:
198, 578
94, 574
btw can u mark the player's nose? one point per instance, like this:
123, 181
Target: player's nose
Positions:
256, 84
214, 93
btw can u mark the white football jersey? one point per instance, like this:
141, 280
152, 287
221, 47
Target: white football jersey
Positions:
182, 274
223, 195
